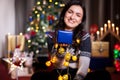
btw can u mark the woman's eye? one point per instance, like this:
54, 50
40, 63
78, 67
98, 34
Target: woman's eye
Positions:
69, 11
78, 15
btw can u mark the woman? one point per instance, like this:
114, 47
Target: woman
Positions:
72, 19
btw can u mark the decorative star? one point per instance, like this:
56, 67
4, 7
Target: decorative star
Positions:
16, 62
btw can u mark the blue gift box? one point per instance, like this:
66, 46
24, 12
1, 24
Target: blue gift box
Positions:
64, 37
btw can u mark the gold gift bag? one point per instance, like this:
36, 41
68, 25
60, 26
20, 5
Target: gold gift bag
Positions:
100, 49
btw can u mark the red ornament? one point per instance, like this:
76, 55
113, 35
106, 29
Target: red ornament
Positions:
33, 33
93, 29
48, 18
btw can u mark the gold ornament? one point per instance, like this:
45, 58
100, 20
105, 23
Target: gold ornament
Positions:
67, 56
48, 63
56, 45
74, 58
54, 59
50, 0
66, 63
60, 77
61, 50
65, 77
78, 41
89, 70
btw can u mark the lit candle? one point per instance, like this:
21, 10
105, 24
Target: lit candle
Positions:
98, 35
117, 30
113, 27
101, 31
109, 24
105, 27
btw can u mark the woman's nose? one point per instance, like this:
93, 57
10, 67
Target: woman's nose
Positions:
72, 16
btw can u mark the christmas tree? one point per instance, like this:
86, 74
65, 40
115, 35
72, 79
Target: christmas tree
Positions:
43, 18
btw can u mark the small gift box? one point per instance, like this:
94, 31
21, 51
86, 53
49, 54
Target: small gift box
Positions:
64, 37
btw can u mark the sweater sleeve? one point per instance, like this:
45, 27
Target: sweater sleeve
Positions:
84, 59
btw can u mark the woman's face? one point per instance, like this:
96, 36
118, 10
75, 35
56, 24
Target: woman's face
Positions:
73, 17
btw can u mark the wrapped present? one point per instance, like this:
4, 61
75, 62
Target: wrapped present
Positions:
64, 37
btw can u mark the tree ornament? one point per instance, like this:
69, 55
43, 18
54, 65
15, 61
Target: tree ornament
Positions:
50, 0
93, 29
65, 77
54, 59
67, 56
78, 41
56, 45
74, 58
60, 77
48, 63
30, 18
66, 63
61, 50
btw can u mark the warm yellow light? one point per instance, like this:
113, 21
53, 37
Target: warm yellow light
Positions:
109, 21
48, 63
37, 27
32, 22
38, 15
50, 0
67, 56
31, 28
98, 32
43, 12
56, 3
54, 59
56, 45
36, 30
8, 33
29, 41
61, 50
65, 77
37, 51
38, 3
66, 64
89, 70
49, 6
36, 12
78, 41
21, 34
74, 58
60, 77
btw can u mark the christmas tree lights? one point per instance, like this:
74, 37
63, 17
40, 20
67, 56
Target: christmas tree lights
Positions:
43, 18
117, 56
